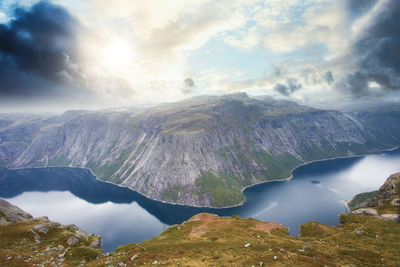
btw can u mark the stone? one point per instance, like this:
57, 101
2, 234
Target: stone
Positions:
247, 245
72, 241
11, 213
96, 244
396, 202
134, 257
390, 216
81, 234
41, 228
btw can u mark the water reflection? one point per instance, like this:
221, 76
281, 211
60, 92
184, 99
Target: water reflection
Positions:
121, 216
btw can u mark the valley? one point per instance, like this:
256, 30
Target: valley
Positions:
200, 152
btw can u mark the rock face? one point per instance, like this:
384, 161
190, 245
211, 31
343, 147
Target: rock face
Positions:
11, 213
384, 204
390, 189
27, 241
202, 151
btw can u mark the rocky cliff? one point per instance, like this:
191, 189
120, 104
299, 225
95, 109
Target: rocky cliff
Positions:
202, 151
384, 203
27, 241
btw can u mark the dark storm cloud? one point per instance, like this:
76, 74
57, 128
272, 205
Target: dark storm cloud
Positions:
378, 52
289, 87
358, 7
37, 50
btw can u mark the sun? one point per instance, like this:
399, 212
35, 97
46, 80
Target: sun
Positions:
117, 54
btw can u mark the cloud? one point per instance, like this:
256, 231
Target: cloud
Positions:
144, 49
38, 50
329, 77
377, 50
189, 82
283, 26
361, 6
188, 85
291, 86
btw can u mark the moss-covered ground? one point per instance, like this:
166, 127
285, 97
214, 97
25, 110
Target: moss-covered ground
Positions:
22, 245
209, 240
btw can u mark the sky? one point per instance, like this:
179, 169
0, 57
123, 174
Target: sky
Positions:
70, 54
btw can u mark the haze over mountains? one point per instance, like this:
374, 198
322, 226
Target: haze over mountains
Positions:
201, 151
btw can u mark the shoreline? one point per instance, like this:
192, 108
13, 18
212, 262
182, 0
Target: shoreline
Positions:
242, 190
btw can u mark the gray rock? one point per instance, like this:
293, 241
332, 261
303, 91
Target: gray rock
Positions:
393, 217
62, 255
396, 202
368, 212
81, 234
36, 237
11, 213
96, 244
72, 241
41, 228
134, 257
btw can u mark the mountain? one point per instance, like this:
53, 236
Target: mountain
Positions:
209, 240
202, 151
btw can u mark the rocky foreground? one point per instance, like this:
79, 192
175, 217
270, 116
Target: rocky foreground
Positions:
209, 240
384, 203
27, 241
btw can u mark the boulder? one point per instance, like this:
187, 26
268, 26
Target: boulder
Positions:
41, 228
73, 240
368, 212
96, 244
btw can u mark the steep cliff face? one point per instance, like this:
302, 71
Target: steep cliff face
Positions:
202, 151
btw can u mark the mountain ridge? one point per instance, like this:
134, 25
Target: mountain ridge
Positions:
202, 151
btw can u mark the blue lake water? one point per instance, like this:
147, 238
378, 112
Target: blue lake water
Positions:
122, 216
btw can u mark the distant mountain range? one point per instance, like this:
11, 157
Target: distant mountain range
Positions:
201, 151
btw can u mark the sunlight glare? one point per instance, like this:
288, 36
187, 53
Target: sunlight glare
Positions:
118, 54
